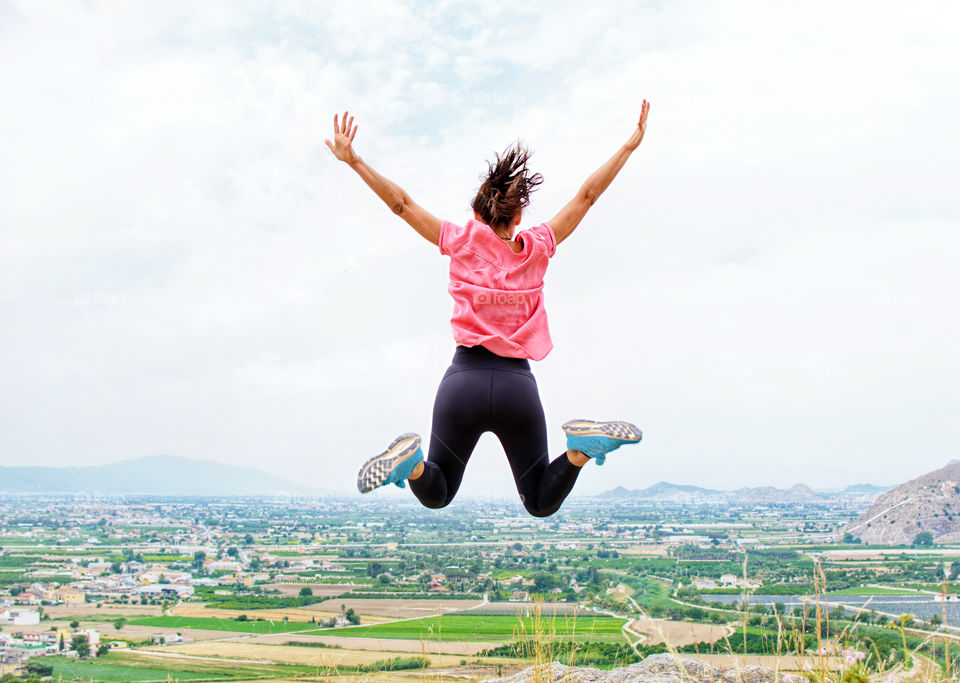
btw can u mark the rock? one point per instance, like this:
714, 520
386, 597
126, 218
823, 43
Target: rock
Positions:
661, 668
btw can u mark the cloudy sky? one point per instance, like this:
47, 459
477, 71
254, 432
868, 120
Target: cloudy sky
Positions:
768, 288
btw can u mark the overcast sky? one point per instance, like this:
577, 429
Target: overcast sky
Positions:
768, 289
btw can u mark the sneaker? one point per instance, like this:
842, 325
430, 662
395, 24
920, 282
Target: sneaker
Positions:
393, 466
596, 439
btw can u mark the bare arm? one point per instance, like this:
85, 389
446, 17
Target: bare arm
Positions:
565, 222
392, 194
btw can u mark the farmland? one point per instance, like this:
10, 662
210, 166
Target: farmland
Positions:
229, 589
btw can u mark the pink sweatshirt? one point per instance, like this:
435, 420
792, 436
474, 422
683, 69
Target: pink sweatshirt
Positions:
498, 294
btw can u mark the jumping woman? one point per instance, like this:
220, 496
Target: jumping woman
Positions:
500, 325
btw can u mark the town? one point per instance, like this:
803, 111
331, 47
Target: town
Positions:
138, 588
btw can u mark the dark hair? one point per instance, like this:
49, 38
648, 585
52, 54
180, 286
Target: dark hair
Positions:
507, 186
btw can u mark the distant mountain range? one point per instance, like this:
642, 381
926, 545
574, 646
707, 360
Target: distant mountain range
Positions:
665, 491
152, 474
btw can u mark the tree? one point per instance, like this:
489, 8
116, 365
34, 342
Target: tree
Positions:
352, 616
40, 669
248, 539
198, 559
82, 646
924, 538
74, 624
119, 623
306, 592
233, 552
103, 649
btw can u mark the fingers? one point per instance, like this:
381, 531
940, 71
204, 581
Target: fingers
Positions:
329, 144
354, 133
644, 110
343, 123
336, 126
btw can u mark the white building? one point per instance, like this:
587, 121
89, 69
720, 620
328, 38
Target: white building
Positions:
165, 590
19, 617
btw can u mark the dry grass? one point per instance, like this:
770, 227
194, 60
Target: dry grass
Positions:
292, 613
88, 609
397, 609
385, 645
678, 633
304, 614
308, 656
650, 550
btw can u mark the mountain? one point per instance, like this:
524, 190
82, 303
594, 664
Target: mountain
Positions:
864, 490
152, 474
798, 493
930, 502
666, 491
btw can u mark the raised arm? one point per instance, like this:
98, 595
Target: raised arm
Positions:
392, 194
570, 216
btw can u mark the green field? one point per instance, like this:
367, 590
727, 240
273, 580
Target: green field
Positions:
496, 628
214, 624
871, 590
120, 667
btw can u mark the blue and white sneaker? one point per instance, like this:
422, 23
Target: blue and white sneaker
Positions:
393, 466
596, 439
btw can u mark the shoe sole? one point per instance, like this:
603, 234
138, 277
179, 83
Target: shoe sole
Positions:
376, 470
622, 431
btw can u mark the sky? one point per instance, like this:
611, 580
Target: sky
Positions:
768, 288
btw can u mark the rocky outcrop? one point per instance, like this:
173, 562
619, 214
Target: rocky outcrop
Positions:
662, 668
928, 503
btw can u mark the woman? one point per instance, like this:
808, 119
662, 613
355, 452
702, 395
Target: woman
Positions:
499, 324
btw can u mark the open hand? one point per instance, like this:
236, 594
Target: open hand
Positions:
637, 136
343, 134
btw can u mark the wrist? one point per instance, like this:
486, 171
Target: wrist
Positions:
354, 162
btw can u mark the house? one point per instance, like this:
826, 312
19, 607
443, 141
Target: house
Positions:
519, 596
171, 638
165, 590
93, 636
728, 580
222, 565
29, 597
733, 580
68, 595
19, 617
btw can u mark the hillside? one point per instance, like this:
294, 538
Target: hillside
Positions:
152, 474
930, 502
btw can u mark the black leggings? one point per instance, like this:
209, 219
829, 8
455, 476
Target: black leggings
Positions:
483, 392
